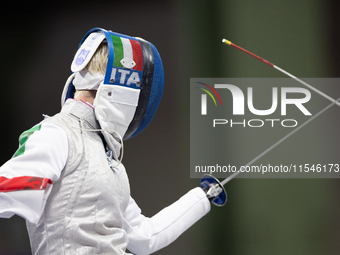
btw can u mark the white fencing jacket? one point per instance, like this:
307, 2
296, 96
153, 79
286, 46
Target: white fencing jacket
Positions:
59, 180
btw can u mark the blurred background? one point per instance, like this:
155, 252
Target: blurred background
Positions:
262, 216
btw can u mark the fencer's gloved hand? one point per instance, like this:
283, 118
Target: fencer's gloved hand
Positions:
214, 190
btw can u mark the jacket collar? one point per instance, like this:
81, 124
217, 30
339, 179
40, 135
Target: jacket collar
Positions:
81, 110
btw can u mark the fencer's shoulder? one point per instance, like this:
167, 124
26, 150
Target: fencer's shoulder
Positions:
62, 120
54, 124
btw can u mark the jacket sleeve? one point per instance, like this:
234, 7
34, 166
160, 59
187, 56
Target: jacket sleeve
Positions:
147, 235
26, 179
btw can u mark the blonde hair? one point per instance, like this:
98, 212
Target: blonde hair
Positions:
96, 65
99, 60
